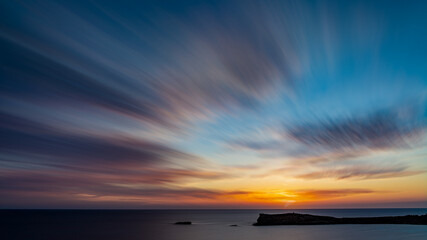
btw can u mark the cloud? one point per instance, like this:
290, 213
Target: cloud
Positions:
361, 172
50, 145
64, 188
335, 149
28, 144
65, 69
333, 193
73, 188
165, 73
380, 130
254, 145
68, 180
88, 88
35, 77
397, 127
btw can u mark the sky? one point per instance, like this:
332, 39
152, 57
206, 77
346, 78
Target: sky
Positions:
213, 104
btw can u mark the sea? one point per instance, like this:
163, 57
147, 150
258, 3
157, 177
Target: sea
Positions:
206, 225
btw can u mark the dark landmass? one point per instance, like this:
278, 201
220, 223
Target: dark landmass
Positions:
183, 223
307, 219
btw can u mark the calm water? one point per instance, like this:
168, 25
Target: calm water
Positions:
207, 225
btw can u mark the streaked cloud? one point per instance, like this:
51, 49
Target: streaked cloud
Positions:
383, 129
76, 188
52, 146
361, 172
333, 193
211, 103
223, 66
346, 137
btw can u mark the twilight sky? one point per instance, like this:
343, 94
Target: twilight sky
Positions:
213, 104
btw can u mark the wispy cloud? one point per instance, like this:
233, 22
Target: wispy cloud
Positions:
130, 102
394, 128
64, 187
23, 136
333, 193
383, 129
223, 66
334, 149
361, 172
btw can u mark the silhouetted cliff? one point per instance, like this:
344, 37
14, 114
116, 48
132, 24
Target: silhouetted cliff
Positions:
307, 219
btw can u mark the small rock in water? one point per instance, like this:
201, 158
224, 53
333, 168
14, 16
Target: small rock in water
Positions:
234, 225
183, 223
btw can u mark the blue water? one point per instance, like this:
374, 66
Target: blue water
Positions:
207, 225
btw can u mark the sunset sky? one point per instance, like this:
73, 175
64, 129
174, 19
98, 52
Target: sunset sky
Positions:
213, 104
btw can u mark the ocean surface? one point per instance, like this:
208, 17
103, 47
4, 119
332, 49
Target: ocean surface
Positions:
207, 225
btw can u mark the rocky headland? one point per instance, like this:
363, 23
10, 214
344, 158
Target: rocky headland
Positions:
307, 219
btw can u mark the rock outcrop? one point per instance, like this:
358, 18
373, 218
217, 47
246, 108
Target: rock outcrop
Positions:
307, 219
